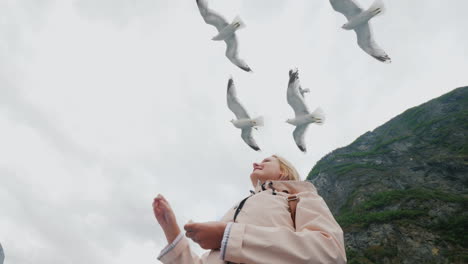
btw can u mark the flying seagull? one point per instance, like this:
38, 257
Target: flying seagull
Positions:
303, 117
243, 121
358, 20
226, 32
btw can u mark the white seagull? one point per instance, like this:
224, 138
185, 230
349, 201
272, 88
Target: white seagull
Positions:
226, 32
303, 117
358, 20
243, 121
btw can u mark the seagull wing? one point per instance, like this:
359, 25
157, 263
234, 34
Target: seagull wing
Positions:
232, 53
233, 102
349, 8
365, 39
211, 17
248, 138
294, 96
298, 135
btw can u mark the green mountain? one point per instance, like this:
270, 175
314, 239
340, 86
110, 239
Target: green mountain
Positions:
400, 192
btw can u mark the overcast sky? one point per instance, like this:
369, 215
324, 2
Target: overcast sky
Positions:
106, 103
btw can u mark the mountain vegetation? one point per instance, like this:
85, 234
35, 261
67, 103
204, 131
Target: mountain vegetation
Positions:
400, 192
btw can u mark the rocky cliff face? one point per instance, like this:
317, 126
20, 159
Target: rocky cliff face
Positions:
400, 192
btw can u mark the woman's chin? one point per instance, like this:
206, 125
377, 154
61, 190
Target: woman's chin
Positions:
254, 177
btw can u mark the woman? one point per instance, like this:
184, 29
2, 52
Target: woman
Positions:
283, 221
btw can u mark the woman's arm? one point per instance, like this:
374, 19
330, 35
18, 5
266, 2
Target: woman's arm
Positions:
317, 239
178, 250
208, 235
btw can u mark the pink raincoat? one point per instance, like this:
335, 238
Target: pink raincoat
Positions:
264, 231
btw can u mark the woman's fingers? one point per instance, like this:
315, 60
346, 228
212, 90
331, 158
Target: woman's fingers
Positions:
190, 235
156, 201
156, 205
165, 204
160, 197
161, 209
187, 228
190, 226
190, 229
161, 203
164, 198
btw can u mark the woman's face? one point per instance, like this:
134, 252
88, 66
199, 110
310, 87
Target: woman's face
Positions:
268, 169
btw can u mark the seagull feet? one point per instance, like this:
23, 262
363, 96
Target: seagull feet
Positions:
384, 59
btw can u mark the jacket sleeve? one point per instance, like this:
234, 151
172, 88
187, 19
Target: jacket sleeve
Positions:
317, 239
179, 252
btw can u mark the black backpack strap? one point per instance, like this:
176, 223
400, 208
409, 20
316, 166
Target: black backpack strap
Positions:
239, 207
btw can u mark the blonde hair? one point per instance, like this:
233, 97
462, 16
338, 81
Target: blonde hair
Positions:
288, 169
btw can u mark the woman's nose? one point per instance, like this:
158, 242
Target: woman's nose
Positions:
255, 164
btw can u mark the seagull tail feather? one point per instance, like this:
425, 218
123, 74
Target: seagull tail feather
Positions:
238, 20
259, 121
319, 116
377, 8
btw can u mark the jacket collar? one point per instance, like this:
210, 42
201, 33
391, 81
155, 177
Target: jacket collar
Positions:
291, 187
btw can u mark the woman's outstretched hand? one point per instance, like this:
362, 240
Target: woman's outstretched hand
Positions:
208, 235
166, 218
